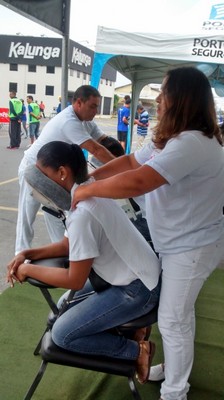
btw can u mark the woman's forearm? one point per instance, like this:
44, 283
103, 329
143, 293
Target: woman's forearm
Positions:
58, 277
120, 164
59, 249
125, 185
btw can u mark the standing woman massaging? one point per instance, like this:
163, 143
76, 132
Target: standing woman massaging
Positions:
182, 173
98, 233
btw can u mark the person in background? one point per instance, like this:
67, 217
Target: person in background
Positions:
130, 289
123, 116
34, 119
182, 173
15, 117
24, 121
74, 124
42, 108
142, 123
58, 109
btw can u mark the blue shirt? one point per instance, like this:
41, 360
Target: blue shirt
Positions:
122, 112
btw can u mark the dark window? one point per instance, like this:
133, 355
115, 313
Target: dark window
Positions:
50, 70
12, 87
49, 90
31, 89
13, 67
84, 75
32, 68
78, 74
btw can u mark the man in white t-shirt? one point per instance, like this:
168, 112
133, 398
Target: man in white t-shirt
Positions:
72, 125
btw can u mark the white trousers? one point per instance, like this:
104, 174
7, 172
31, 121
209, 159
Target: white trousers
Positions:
27, 211
182, 279
140, 141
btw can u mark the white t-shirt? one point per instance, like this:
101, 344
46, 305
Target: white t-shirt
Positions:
99, 229
65, 127
186, 213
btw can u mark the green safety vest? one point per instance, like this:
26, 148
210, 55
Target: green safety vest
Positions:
36, 111
17, 105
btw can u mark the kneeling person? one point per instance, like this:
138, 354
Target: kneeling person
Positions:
99, 237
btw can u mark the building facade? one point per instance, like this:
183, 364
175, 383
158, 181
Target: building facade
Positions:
32, 66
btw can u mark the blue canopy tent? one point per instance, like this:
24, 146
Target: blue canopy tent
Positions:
144, 58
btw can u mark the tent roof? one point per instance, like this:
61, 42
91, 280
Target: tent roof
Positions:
142, 69
147, 56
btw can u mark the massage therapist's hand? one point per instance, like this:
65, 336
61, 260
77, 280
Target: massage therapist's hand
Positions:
12, 268
81, 193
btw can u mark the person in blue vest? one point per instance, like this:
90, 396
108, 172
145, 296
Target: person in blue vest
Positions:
34, 119
15, 117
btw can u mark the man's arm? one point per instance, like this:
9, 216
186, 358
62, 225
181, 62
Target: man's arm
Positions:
97, 150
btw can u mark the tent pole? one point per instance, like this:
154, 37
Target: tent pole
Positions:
64, 60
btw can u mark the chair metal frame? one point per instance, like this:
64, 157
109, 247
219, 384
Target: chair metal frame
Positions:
51, 353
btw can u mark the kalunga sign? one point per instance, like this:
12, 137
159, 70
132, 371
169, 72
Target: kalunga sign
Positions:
45, 51
29, 51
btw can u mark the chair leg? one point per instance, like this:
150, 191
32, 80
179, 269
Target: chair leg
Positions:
133, 388
37, 349
36, 381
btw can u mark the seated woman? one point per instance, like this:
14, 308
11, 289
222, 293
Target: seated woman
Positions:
99, 237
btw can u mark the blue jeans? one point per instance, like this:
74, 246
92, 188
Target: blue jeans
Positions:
34, 129
83, 328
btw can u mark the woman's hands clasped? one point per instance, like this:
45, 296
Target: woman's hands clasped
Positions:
15, 270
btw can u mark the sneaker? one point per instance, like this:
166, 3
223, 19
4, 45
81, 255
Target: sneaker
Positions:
156, 373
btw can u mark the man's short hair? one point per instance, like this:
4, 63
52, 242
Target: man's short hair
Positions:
128, 101
85, 92
140, 107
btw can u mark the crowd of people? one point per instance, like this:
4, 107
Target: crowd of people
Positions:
180, 174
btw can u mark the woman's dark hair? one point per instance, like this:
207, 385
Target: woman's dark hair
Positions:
56, 154
190, 106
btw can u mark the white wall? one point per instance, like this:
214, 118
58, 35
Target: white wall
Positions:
42, 79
